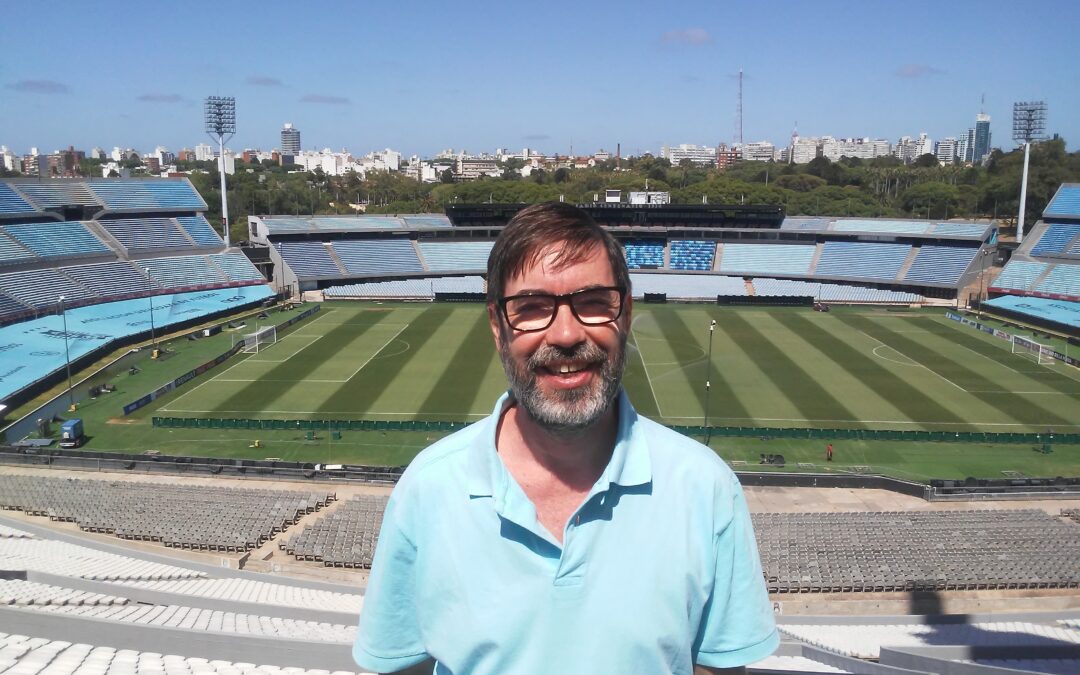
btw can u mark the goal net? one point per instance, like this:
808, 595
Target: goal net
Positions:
1039, 353
259, 340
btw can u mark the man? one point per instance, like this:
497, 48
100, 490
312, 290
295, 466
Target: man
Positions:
564, 533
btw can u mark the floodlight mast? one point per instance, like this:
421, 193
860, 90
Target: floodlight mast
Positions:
1029, 125
221, 125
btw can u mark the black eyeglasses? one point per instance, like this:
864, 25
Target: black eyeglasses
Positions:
536, 311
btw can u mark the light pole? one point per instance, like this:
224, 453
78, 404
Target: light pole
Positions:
708, 383
221, 125
982, 280
1029, 124
67, 356
150, 297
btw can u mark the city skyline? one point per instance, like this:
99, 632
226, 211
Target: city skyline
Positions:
577, 78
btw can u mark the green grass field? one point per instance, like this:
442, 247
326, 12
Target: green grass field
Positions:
771, 367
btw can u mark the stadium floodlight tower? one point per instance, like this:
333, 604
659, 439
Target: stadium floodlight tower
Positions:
221, 125
1029, 124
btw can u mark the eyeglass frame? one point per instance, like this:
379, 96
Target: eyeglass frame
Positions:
564, 299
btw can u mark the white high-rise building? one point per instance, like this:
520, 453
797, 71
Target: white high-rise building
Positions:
204, 153
859, 148
945, 150
290, 140
697, 154
805, 150
761, 151
9, 160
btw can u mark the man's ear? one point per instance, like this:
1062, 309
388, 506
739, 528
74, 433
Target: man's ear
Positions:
627, 310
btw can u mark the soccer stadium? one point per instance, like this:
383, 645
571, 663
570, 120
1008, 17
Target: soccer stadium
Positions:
199, 440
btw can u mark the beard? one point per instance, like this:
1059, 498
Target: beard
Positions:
565, 411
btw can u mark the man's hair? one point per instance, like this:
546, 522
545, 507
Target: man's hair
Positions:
536, 227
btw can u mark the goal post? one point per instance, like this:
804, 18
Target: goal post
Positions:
1027, 347
259, 340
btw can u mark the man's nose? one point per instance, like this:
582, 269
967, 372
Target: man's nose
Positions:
565, 330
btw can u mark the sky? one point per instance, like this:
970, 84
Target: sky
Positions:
421, 77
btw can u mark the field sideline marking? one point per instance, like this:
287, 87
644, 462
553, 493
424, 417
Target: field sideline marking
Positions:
916, 362
645, 366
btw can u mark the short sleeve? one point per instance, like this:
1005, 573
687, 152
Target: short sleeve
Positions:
388, 637
737, 625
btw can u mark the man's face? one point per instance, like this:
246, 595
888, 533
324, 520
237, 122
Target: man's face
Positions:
567, 375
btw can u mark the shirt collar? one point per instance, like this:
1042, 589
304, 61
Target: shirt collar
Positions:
629, 463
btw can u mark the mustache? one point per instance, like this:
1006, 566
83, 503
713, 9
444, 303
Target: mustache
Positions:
548, 354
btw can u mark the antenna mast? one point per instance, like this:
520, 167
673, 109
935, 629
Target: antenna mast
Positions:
738, 114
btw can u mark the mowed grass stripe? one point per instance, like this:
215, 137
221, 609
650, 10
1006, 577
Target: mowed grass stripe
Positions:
812, 400
464, 374
965, 336
900, 393
722, 396
1016, 407
358, 395
259, 394
636, 380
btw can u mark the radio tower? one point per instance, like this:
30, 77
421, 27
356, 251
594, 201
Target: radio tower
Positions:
738, 114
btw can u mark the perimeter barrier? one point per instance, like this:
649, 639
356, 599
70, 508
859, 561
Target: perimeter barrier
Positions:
1046, 438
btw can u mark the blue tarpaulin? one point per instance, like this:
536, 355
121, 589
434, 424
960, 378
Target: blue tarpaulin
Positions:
33, 349
1059, 311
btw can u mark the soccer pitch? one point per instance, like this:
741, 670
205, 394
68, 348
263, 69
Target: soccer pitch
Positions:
771, 367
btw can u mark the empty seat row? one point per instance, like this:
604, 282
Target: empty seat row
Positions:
373, 257
766, 259
461, 256
940, 264
861, 260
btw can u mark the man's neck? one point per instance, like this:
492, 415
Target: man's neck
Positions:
574, 460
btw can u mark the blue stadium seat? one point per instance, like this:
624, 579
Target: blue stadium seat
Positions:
692, 255
889, 226
644, 253
58, 239
183, 272
147, 195
54, 194
378, 256
200, 231
1063, 279
12, 252
112, 279
237, 266
146, 234
308, 259
1055, 238
861, 260
941, 264
1066, 202
767, 259
1019, 275
456, 256
10, 308
42, 288
12, 202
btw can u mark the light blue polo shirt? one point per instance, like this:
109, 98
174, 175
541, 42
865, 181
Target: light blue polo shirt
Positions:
658, 569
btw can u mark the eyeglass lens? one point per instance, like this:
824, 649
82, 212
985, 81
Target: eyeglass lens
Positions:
591, 307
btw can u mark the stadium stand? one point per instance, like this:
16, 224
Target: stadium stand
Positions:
146, 195
1063, 279
410, 289
57, 239
43, 288
959, 229
692, 255
427, 220
373, 257
686, 286
839, 293
189, 271
198, 228
861, 260
1019, 275
12, 252
236, 266
882, 226
644, 253
864, 641
1065, 203
1055, 238
248, 590
461, 256
57, 194
12, 203
308, 259
940, 264
112, 279
809, 224
861, 552
146, 234
26, 593
70, 560
766, 259
345, 538
11, 308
